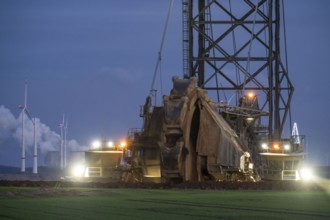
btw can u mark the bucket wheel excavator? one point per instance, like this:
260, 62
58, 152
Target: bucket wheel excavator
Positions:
187, 139
230, 49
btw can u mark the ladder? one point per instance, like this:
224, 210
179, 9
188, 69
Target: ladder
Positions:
185, 37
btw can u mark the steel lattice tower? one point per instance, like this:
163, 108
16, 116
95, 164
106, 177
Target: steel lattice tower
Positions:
234, 47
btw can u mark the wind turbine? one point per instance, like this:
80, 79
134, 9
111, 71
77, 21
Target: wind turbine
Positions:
23, 108
63, 126
65, 141
35, 151
35, 155
62, 143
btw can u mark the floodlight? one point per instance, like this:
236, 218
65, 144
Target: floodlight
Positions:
264, 146
110, 144
286, 146
249, 119
123, 144
78, 170
251, 95
276, 146
306, 173
96, 144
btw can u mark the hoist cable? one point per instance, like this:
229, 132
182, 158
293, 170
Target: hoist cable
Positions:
286, 58
159, 58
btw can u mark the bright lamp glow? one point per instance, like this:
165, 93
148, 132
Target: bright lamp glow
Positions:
264, 146
251, 95
286, 146
306, 173
249, 119
110, 144
96, 144
123, 144
78, 170
276, 146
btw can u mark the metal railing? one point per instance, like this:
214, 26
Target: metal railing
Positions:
94, 171
289, 174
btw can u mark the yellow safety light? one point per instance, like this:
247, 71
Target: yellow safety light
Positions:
251, 95
123, 144
276, 146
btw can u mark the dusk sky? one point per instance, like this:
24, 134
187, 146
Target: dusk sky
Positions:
93, 61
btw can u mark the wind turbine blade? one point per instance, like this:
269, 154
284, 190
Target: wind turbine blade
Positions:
65, 141
25, 94
62, 143
23, 119
66, 124
28, 114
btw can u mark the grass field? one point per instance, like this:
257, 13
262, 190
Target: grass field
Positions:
89, 203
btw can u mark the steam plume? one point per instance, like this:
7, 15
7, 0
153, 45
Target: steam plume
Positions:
48, 140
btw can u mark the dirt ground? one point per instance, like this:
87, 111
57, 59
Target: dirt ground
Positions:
42, 192
263, 185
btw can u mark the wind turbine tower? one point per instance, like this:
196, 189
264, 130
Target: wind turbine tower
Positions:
35, 155
65, 141
23, 108
63, 126
62, 144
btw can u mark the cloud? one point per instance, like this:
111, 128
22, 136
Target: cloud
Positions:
8, 123
47, 139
